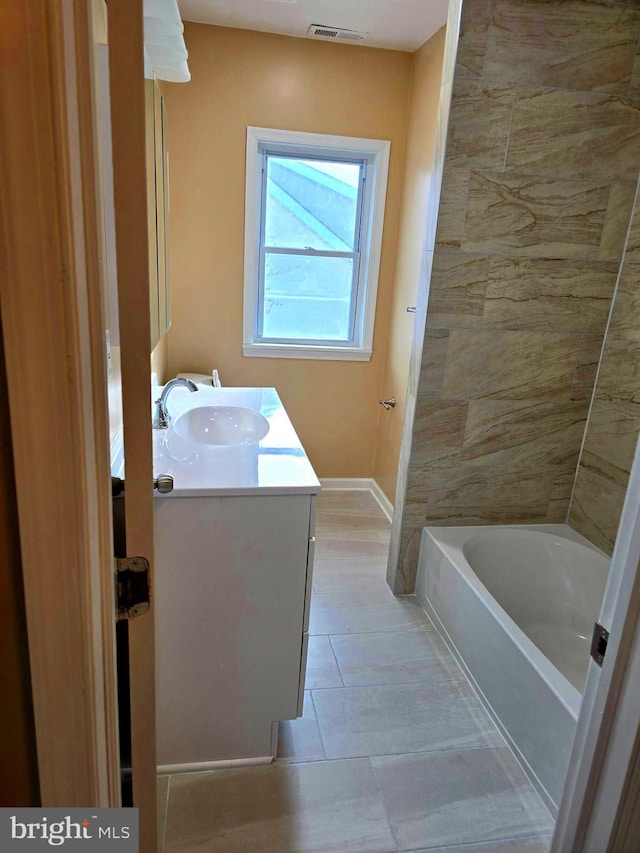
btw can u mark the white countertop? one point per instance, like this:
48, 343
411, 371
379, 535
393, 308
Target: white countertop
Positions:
275, 465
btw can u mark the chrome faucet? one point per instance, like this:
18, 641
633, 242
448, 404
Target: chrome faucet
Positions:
162, 418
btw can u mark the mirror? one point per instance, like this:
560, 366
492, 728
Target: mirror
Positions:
157, 195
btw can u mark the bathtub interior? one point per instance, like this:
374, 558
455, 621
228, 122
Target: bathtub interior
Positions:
550, 584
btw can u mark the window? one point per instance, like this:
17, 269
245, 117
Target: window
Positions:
313, 230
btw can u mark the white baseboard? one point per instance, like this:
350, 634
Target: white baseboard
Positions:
365, 484
203, 766
344, 484
385, 504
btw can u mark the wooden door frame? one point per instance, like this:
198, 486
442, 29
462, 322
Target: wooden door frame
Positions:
128, 137
51, 310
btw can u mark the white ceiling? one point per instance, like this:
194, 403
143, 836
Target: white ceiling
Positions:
394, 24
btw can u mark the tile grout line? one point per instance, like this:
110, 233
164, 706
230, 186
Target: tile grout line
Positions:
383, 804
529, 837
335, 657
292, 761
315, 711
454, 680
425, 752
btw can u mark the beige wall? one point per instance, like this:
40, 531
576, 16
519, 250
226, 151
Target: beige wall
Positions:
160, 358
539, 179
242, 78
614, 419
421, 132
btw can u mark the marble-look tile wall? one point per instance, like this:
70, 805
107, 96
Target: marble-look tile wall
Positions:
614, 420
540, 168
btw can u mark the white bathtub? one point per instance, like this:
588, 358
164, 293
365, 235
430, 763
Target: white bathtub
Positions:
517, 606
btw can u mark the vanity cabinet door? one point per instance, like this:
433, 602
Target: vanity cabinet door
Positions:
231, 581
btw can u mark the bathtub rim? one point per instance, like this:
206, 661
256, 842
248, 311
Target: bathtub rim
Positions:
451, 540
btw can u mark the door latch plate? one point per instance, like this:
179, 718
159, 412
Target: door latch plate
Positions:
599, 641
132, 586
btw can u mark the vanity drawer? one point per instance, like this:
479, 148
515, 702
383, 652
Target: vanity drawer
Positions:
303, 671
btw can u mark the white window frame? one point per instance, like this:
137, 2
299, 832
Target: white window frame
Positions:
376, 154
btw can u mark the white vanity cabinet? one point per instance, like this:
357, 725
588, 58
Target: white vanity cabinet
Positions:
232, 587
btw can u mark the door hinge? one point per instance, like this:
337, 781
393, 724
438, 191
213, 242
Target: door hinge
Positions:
599, 642
132, 586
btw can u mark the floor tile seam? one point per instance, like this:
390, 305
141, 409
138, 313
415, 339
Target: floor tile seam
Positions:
327, 518
336, 526
384, 805
351, 557
332, 531
401, 599
315, 713
370, 515
367, 571
360, 558
338, 543
335, 658
324, 538
352, 532
419, 629
349, 633
344, 583
365, 576
344, 568
444, 847
373, 562
377, 540
340, 587
424, 682
365, 757
437, 751
359, 540
282, 762
370, 586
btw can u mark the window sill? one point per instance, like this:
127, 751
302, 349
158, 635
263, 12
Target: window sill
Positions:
318, 353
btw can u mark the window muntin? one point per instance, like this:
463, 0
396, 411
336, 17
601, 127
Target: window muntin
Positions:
312, 243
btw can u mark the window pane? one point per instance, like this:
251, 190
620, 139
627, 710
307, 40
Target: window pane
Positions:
311, 203
307, 297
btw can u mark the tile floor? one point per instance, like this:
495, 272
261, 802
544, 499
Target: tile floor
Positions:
394, 751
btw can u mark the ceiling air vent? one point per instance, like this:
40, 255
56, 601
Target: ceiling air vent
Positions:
335, 33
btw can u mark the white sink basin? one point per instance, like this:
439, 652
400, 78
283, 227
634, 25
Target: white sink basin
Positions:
221, 425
